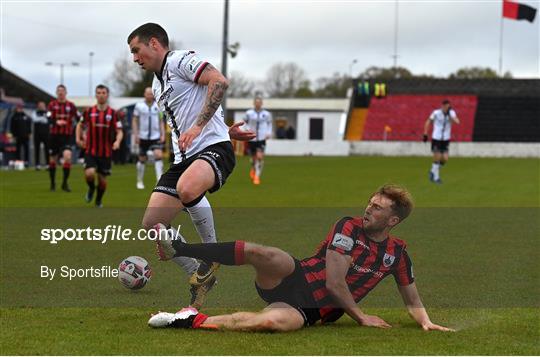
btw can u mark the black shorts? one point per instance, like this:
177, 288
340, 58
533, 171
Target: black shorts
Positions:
254, 146
294, 290
221, 158
440, 145
101, 164
59, 143
145, 145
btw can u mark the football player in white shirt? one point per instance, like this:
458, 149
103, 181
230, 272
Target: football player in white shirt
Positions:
442, 120
189, 91
258, 120
149, 134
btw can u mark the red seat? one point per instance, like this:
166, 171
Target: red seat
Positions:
406, 115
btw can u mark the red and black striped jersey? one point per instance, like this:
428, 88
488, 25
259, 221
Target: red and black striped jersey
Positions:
100, 126
371, 262
63, 111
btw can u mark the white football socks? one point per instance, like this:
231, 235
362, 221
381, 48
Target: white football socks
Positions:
158, 165
435, 170
259, 167
140, 171
201, 215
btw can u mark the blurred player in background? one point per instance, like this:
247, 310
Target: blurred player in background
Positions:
357, 254
442, 120
41, 133
189, 91
62, 116
259, 121
149, 133
103, 134
21, 129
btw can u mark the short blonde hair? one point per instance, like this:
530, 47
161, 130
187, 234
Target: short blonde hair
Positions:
402, 203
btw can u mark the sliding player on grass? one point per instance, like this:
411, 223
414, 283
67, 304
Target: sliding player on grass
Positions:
355, 256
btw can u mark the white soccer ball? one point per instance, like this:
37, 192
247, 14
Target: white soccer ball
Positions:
134, 272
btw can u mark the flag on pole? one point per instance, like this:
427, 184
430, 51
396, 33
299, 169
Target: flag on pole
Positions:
517, 11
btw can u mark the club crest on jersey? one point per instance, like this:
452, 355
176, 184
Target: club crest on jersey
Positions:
342, 241
108, 117
388, 260
68, 109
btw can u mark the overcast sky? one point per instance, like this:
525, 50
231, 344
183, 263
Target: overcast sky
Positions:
323, 37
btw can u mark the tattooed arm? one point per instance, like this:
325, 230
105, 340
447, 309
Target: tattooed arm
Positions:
217, 85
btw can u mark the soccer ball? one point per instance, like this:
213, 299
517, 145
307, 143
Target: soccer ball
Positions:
134, 272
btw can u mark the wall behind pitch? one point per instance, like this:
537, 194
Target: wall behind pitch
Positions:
507, 119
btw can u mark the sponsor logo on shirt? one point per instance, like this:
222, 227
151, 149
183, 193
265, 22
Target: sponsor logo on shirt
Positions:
364, 245
343, 242
166, 94
193, 64
361, 269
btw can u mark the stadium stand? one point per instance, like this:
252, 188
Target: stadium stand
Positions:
491, 110
515, 119
406, 114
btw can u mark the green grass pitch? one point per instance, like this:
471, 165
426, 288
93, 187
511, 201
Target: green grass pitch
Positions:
473, 241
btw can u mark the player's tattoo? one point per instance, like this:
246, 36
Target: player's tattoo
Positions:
216, 91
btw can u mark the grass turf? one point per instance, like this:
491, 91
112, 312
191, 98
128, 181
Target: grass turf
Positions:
473, 241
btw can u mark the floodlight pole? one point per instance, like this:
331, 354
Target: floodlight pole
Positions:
396, 19
224, 50
90, 84
62, 65
351, 67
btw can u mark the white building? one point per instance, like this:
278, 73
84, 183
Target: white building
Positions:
318, 124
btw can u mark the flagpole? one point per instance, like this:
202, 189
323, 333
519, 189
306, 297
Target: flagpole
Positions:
501, 41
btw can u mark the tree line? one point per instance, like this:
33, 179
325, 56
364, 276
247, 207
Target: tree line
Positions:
286, 80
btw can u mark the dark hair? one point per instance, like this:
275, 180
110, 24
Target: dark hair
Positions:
102, 86
446, 101
402, 200
61, 86
147, 31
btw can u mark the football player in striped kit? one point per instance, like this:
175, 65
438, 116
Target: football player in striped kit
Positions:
102, 134
62, 116
357, 254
